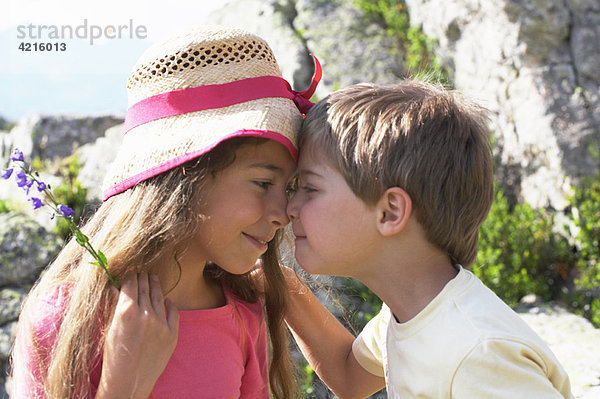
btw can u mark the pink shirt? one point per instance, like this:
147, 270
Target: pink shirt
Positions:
220, 353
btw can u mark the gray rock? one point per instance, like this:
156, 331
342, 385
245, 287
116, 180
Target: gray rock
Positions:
7, 337
50, 137
352, 48
5, 124
95, 158
25, 249
5, 144
3, 386
10, 303
574, 341
534, 64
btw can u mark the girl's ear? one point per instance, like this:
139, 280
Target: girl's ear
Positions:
393, 211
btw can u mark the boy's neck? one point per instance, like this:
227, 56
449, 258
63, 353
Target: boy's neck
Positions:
407, 275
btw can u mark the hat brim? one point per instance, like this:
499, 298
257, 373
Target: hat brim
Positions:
163, 144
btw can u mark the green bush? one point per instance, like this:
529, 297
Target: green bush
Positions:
70, 193
392, 15
520, 254
585, 216
9, 205
307, 379
371, 303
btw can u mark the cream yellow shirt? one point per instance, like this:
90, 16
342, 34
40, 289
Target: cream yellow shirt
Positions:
466, 343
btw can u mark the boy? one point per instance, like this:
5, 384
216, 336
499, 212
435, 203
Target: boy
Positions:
394, 183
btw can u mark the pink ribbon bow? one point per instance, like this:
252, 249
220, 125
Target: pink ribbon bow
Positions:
302, 98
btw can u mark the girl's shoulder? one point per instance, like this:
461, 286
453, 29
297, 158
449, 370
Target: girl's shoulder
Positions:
44, 312
251, 313
236, 301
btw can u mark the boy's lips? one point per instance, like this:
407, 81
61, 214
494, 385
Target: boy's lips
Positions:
298, 234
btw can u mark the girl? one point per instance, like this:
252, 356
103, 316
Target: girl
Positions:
196, 195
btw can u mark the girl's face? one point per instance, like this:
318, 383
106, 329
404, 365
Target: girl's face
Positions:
244, 207
334, 228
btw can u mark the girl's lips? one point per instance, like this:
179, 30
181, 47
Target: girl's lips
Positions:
262, 245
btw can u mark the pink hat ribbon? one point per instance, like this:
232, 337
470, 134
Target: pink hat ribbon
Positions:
200, 98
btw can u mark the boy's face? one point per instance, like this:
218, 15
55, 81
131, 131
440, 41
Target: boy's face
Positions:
335, 230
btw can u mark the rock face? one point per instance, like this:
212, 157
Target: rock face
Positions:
350, 47
93, 139
353, 48
49, 137
574, 341
534, 64
25, 249
95, 158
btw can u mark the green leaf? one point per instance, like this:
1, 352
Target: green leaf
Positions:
102, 258
81, 238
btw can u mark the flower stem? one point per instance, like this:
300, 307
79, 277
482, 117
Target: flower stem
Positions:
81, 238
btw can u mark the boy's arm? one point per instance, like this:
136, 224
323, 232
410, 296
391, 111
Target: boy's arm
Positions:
326, 344
509, 369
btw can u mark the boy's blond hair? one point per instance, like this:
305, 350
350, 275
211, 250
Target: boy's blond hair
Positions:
416, 136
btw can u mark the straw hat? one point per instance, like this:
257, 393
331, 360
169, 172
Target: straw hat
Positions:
195, 90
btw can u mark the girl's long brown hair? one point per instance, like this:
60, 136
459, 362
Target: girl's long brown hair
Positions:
135, 229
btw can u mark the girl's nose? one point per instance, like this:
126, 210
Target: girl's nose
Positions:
278, 214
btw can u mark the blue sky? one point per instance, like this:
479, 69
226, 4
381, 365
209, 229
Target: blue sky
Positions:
85, 78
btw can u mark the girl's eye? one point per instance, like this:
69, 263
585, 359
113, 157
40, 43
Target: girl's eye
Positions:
263, 184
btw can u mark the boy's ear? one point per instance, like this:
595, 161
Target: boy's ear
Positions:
393, 211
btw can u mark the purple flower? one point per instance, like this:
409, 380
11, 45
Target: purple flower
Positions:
41, 186
27, 186
65, 210
5, 174
16, 155
21, 178
36, 202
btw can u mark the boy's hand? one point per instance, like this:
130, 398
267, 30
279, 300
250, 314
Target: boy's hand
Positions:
294, 282
140, 340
